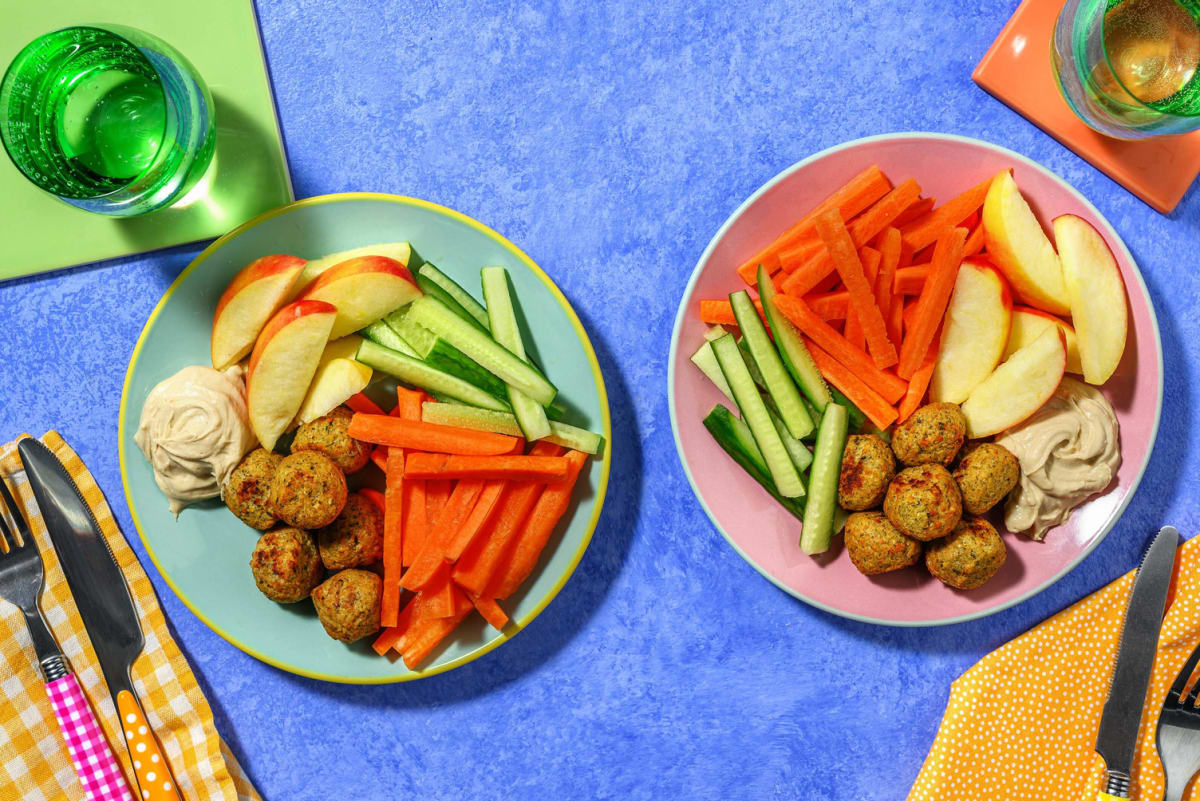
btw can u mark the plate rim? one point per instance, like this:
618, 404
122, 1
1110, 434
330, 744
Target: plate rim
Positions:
737, 213
516, 626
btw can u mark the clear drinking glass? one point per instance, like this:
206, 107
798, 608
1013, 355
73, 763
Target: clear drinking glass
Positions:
1128, 68
107, 118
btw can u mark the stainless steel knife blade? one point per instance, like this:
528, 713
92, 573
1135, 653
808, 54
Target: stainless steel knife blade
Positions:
1117, 739
96, 581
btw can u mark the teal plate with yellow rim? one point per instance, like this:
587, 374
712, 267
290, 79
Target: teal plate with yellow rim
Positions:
204, 555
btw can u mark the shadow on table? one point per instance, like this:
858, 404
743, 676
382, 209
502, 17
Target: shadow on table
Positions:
1120, 551
568, 613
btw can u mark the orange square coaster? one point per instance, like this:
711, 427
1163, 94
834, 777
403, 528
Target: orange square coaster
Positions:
1017, 70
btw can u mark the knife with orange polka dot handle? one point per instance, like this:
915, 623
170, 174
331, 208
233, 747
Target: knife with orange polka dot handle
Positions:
104, 603
1116, 741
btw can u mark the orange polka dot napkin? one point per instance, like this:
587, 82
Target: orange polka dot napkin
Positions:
34, 764
1022, 722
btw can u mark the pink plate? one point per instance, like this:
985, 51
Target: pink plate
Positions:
767, 536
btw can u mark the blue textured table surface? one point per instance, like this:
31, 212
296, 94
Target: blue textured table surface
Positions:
610, 141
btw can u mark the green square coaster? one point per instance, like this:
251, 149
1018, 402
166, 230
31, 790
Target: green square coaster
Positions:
249, 173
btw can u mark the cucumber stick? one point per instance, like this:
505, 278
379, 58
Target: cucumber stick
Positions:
855, 416
791, 347
502, 320
433, 281
418, 373
706, 360
800, 455
779, 382
823, 481
453, 414
506, 366
754, 412
735, 439
420, 338
385, 335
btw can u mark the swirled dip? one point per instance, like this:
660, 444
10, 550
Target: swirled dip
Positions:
194, 430
1068, 450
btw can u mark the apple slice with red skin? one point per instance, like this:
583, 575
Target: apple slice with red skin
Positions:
254, 294
1096, 292
400, 251
282, 365
1018, 387
338, 377
1028, 324
974, 332
363, 289
1020, 248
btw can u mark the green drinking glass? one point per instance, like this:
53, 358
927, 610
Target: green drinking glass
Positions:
107, 118
1130, 68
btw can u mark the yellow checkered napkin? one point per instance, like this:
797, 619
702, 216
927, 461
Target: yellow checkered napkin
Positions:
1022, 722
34, 764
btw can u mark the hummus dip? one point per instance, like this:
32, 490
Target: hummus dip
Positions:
194, 430
1068, 450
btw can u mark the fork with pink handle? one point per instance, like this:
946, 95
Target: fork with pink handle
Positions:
21, 577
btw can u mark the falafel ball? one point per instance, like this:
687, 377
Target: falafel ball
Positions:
348, 604
985, 474
868, 466
286, 565
329, 435
876, 546
932, 435
923, 502
308, 491
247, 492
355, 538
969, 556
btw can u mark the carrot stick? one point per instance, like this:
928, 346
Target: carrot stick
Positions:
512, 468
415, 511
927, 230
374, 496
436, 493
911, 280
889, 243
491, 612
868, 400
831, 306
479, 562
378, 457
862, 292
440, 594
426, 567
918, 385
393, 548
885, 384
971, 221
856, 195
870, 261
931, 306
975, 241
719, 312
465, 534
422, 436
362, 404
546, 513
914, 212
426, 633
409, 401
795, 256
861, 231
393, 637
896, 320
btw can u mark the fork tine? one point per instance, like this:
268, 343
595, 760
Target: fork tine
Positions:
6, 534
14, 511
1184, 676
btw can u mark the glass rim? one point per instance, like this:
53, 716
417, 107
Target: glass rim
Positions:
107, 29
1112, 71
